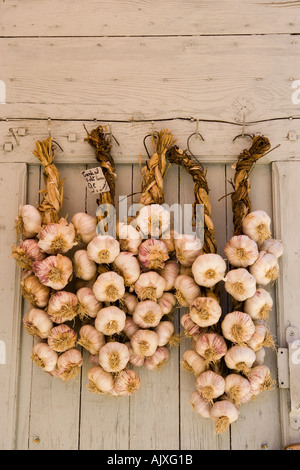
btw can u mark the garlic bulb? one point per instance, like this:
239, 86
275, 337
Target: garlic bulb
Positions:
134, 359
100, 381
211, 347
240, 358
165, 331
191, 329
169, 240
259, 305
192, 362
127, 265
210, 385
129, 238
62, 306
260, 379
188, 248
69, 364
265, 269
224, 413
61, 338
205, 311
241, 251
91, 339
208, 269
26, 253
34, 291
109, 287
57, 237
159, 358
103, 249
257, 225
85, 227
84, 268
237, 327
113, 356
261, 337
153, 220
29, 221
144, 342
54, 271
128, 303
88, 306
186, 290
37, 323
240, 284
110, 320
147, 314
130, 327
167, 302
127, 382
44, 357
149, 286
200, 405
237, 388
260, 357
273, 246
170, 272
153, 254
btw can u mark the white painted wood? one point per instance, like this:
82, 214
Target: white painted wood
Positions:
140, 18
12, 195
218, 78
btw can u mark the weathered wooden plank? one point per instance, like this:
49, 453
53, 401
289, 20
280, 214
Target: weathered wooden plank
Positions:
139, 18
12, 195
218, 78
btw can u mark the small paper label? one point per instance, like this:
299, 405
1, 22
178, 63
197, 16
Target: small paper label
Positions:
95, 180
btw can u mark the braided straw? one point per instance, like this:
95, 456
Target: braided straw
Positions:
53, 193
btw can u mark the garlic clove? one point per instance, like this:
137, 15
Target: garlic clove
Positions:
110, 320
109, 287
238, 327
205, 311
241, 251
208, 269
37, 323
257, 225
240, 284
186, 290
114, 356
54, 271
103, 249
147, 314
265, 269
100, 381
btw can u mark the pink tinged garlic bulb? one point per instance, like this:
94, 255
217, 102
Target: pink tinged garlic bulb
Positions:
128, 303
62, 306
165, 331
61, 338
57, 238
44, 357
241, 251
153, 220
273, 246
147, 314
28, 222
167, 302
200, 405
144, 342
34, 291
109, 287
54, 271
103, 249
84, 268
129, 238
208, 269
91, 339
210, 385
69, 364
114, 356
240, 284
94, 359
205, 311
26, 253
127, 382
260, 379
170, 272
224, 413
134, 359
186, 290
110, 320
265, 269
37, 323
153, 254
261, 337
237, 327
191, 329
150, 286
85, 227
130, 327
169, 240
240, 359
211, 347
127, 265
188, 248
237, 389
159, 358
100, 381
192, 362
88, 306
257, 225
259, 305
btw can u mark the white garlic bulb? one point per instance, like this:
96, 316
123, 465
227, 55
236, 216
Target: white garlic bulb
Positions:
241, 251
273, 246
149, 286
69, 364
100, 381
188, 248
129, 238
261, 337
34, 291
259, 305
29, 221
62, 306
211, 347
84, 268
165, 331
130, 327
114, 356
158, 359
191, 329
223, 412
110, 320
61, 338
44, 357
144, 342
37, 323
237, 388
91, 339
128, 303
265, 269
186, 290
54, 271
57, 237
153, 254
200, 405
126, 383
26, 253
153, 220
134, 359
127, 266
87, 306
237, 327
85, 227
170, 272
208, 269
192, 362
205, 311
260, 379
210, 385
257, 225
240, 359
147, 314
103, 249
240, 284
109, 287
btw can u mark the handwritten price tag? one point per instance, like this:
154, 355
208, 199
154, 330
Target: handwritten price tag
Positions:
95, 180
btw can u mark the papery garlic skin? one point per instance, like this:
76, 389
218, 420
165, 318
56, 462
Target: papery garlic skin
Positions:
127, 265
44, 357
210, 385
237, 388
110, 320
128, 303
200, 405
170, 272
188, 248
127, 382
34, 291
191, 329
153, 254
37, 323
29, 221
114, 356
129, 238
165, 331
237, 327
240, 358
69, 364
241, 251
205, 311
192, 362
85, 227
260, 379
211, 347
57, 237
208, 269
259, 305
224, 413
158, 359
265, 269
88, 306
26, 253
167, 302
273, 246
61, 338
149, 286
186, 290
257, 225
144, 342
100, 381
240, 284
54, 271
84, 268
153, 220
147, 314
62, 306
109, 287
91, 339
103, 249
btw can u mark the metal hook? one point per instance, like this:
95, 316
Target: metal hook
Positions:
242, 135
188, 146
56, 143
153, 135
